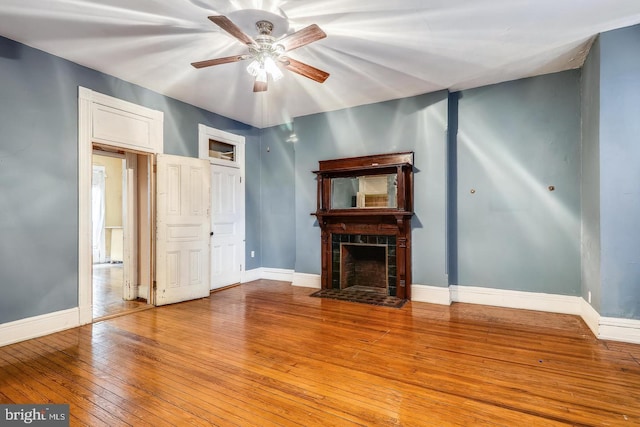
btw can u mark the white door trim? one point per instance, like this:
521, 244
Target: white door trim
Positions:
129, 222
141, 129
100, 254
205, 133
238, 141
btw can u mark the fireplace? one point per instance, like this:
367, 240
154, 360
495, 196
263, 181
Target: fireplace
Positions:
364, 213
367, 262
363, 265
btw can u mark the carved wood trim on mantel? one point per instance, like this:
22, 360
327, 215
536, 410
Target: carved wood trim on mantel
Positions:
382, 221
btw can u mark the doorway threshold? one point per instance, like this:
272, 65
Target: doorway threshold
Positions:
123, 313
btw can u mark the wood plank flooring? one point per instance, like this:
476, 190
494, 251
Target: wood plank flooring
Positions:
267, 354
108, 280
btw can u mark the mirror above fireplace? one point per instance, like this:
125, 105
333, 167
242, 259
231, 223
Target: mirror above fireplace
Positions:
366, 191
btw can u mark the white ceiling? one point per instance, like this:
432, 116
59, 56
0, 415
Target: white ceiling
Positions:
375, 50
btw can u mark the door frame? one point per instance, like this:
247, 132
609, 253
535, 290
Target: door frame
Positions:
205, 133
109, 122
102, 244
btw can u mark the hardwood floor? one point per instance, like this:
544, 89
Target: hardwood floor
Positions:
107, 292
267, 354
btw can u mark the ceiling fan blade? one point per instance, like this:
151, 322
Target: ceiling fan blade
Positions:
231, 28
218, 61
259, 86
302, 37
303, 69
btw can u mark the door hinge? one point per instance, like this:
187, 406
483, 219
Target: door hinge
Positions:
155, 168
240, 267
240, 180
155, 285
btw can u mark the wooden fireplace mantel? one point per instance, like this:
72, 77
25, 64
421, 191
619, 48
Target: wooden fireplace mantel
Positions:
361, 220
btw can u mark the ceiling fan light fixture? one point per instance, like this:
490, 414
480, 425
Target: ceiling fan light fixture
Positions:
254, 67
266, 52
271, 68
262, 66
261, 76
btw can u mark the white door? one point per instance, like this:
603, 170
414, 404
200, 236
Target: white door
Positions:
183, 225
227, 225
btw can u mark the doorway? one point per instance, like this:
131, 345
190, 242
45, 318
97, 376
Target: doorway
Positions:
135, 132
226, 153
227, 226
118, 196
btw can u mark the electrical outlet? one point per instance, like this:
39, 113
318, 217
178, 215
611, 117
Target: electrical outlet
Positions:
253, 255
589, 297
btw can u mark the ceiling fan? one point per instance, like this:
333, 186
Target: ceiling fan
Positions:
266, 52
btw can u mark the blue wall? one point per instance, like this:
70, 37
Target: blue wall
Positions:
590, 186
38, 171
416, 124
513, 141
620, 172
516, 139
277, 205
253, 211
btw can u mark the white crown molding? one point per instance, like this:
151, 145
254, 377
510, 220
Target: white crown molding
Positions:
37, 326
306, 280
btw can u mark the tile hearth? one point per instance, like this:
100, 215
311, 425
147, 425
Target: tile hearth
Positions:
364, 295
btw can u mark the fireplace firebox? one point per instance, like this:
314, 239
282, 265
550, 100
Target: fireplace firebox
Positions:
364, 209
363, 265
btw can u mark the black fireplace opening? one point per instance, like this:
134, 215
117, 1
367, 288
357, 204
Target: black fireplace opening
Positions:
364, 261
364, 265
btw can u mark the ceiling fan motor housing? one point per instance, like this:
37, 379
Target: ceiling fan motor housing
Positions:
264, 27
265, 42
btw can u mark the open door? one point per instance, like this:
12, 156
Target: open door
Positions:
183, 229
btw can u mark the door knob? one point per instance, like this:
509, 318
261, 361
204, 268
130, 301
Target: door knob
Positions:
211, 234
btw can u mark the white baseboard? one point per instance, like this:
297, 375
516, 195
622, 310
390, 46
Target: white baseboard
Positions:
431, 294
38, 326
306, 280
251, 275
607, 328
267, 273
517, 299
282, 274
86, 315
627, 330
590, 317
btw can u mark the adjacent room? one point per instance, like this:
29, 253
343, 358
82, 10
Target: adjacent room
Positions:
270, 212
